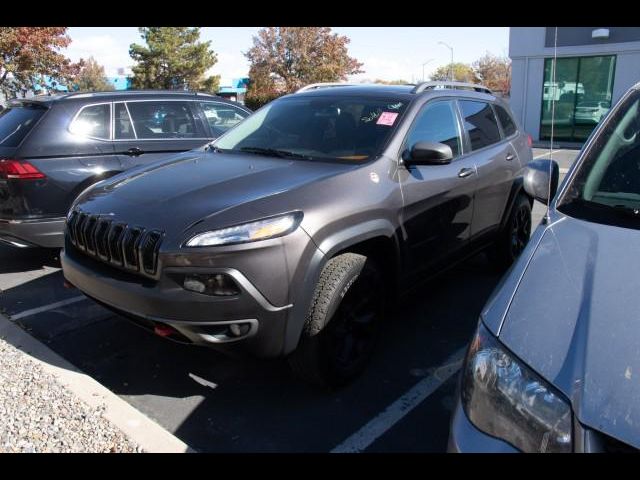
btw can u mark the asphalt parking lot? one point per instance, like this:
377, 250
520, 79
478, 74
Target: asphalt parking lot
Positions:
220, 404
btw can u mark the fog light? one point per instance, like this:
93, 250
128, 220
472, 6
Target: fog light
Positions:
239, 329
218, 284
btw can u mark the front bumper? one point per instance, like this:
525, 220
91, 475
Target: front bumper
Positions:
464, 437
199, 319
46, 232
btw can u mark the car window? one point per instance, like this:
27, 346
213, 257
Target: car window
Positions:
328, 127
606, 186
93, 121
123, 128
480, 123
436, 123
17, 121
508, 126
221, 116
164, 119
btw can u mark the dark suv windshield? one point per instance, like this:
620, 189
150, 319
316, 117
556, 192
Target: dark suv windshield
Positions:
606, 188
17, 121
346, 128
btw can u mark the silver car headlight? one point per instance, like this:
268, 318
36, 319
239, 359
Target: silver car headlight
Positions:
248, 232
506, 399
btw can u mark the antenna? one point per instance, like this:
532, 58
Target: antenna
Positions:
553, 114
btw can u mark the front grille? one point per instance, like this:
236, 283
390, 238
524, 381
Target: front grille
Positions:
132, 248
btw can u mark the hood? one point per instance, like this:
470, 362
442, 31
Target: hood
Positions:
174, 195
575, 319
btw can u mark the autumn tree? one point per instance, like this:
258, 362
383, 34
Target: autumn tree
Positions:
494, 72
28, 54
173, 58
461, 73
91, 77
391, 82
283, 59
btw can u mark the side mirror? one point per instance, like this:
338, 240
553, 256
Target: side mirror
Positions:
541, 179
428, 153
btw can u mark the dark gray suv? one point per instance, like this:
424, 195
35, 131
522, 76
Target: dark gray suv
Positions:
54, 147
293, 232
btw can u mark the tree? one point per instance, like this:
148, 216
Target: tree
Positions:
391, 82
461, 73
494, 72
91, 77
174, 58
283, 59
28, 54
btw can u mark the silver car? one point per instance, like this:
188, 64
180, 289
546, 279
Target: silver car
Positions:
555, 363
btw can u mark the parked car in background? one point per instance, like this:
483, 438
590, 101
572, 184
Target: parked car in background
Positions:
54, 147
591, 112
555, 361
293, 231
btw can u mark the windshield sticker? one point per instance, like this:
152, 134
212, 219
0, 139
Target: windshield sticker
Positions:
372, 116
387, 118
394, 106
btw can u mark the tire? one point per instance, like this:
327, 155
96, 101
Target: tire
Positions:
514, 237
340, 331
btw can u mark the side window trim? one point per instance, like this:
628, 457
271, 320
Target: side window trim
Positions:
498, 122
77, 114
515, 125
452, 102
133, 127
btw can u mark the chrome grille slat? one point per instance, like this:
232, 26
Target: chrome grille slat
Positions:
132, 248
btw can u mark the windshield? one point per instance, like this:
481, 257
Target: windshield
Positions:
346, 128
606, 188
16, 122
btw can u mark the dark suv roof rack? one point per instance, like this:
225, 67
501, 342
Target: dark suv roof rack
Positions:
316, 86
134, 92
421, 87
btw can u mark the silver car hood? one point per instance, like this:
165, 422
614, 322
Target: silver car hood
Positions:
575, 319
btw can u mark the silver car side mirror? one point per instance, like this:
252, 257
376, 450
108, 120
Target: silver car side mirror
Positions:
541, 179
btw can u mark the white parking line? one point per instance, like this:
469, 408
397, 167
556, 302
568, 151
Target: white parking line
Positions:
368, 434
51, 306
545, 154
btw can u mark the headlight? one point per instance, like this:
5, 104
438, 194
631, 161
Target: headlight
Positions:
506, 399
248, 232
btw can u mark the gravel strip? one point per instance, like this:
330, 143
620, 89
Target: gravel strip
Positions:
38, 414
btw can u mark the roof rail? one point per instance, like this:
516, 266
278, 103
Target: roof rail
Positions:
421, 87
315, 86
135, 92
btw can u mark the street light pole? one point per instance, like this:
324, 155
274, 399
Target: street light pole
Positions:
430, 60
451, 64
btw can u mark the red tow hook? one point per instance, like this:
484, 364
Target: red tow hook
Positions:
164, 330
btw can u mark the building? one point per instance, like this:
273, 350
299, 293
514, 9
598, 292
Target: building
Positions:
595, 66
120, 82
236, 91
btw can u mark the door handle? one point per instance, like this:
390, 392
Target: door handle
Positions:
509, 157
134, 152
465, 172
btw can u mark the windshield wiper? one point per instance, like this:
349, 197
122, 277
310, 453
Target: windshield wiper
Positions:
273, 152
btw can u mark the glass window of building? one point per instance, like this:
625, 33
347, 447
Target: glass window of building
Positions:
582, 93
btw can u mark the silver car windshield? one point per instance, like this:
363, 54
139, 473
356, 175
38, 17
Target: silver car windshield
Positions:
607, 185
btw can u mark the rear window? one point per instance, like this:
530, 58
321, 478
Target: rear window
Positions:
508, 127
480, 123
17, 121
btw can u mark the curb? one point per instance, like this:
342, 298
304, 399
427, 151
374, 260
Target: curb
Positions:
148, 434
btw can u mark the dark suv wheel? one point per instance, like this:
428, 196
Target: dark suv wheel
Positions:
340, 331
515, 235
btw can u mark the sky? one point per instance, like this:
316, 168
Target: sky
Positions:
388, 53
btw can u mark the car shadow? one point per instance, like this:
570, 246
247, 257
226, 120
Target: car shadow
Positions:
218, 403
15, 260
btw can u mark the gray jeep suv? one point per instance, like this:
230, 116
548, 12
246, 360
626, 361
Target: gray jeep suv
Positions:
294, 230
